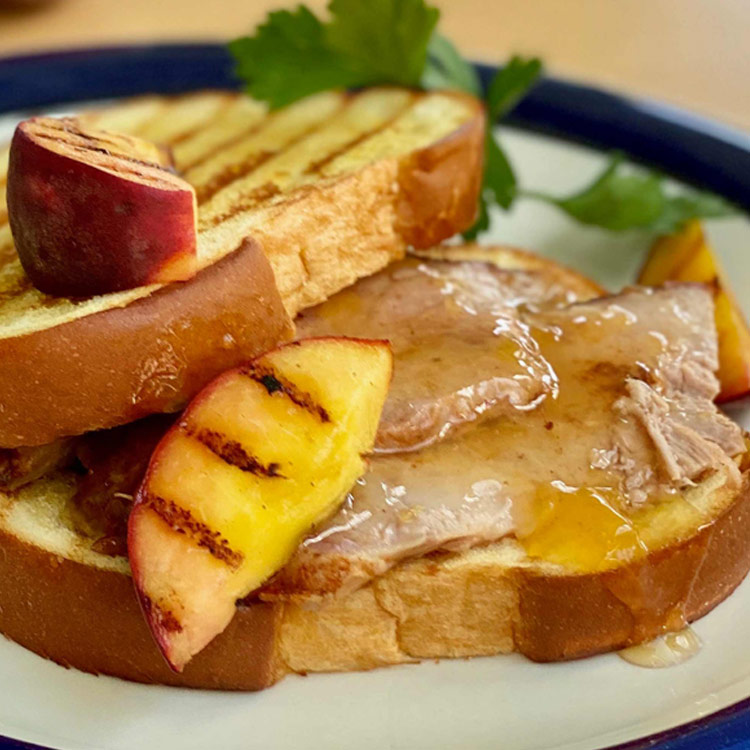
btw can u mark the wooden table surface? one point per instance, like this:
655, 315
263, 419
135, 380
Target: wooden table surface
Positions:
694, 53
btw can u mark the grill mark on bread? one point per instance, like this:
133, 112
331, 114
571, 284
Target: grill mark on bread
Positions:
155, 116
316, 166
262, 193
232, 173
168, 104
184, 522
232, 452
223, 145
270, 189
275, 383
190, 132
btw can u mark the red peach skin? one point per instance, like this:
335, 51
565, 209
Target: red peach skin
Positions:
92, 212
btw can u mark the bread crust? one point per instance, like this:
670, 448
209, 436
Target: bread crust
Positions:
454, 606
150, 356
88, 618
568, 617
324, 237
114, 366
439, 186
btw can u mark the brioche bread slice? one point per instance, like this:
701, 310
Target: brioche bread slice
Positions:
331, 188
75, 606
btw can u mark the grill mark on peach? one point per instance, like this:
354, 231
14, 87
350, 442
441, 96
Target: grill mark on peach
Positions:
246, 168
61, 125
275, 383
165, 619
72, 130
184, 522
68, 131
86, 148
151, 172
232, 452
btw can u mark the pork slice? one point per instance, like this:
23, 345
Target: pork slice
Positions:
115, 462
630, 415
461, 350
691, 437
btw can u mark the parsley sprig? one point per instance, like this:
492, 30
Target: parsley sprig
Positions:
294, 54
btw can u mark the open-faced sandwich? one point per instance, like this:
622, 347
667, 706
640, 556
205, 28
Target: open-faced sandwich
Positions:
256, 420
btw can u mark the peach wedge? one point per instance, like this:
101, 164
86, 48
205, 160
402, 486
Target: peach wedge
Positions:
687, 256
93, 212
262, 454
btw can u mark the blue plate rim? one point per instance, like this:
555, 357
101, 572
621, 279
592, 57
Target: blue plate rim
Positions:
682, 144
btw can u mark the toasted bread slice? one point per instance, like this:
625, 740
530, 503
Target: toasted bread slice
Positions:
331, 188
68, 603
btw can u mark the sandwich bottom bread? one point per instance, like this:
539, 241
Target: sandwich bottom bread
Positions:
442, 596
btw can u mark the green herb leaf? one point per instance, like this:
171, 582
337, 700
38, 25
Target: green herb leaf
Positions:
385, 41
483, 218
510, 84
499, 177
498, 185
446, 69
615, 200
620, 199
289, 58
294, 54
506, 89
693, 205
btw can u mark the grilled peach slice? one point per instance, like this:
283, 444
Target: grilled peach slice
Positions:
94, 212
258, 458
687, 256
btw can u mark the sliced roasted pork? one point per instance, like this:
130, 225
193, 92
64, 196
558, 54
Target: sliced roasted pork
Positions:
20, 466
628, 420
462, 350
114, 462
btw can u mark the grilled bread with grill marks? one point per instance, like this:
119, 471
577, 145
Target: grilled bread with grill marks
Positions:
65, 601
293, 206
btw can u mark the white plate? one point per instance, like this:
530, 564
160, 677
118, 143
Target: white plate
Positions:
506, 701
